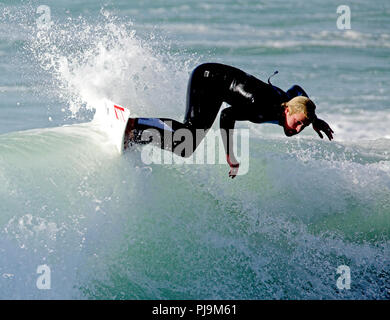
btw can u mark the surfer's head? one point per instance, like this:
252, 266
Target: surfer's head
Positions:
299, 112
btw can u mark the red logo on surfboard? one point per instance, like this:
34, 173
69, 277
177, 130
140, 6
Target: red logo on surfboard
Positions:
120, 110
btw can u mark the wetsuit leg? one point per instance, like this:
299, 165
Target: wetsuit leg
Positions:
159, 131
204, 99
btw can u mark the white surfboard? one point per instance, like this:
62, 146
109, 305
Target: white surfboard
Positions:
113, 119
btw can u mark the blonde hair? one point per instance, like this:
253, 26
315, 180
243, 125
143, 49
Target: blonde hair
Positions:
301, 104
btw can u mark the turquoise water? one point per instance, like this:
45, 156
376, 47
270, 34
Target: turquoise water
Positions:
112, 227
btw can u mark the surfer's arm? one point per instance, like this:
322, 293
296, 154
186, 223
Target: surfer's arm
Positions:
227, 122
320, 125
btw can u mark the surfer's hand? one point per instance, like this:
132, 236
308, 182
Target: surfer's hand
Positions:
233, 171
320, 125
234, 165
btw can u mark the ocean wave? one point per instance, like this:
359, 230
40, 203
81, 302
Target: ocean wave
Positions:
305, 207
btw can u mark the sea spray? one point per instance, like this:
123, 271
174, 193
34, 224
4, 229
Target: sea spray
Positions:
106, 59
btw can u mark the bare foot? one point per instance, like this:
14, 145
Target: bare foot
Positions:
129, 133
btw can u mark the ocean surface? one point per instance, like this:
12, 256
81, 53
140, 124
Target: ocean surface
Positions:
113, 227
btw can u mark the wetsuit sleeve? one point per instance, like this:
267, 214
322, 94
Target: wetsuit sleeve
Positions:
228, 118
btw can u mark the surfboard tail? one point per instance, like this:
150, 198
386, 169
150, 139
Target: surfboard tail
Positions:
113, 120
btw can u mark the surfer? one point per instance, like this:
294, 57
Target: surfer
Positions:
250, 99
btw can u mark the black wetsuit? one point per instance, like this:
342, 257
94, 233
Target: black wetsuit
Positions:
209, 86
